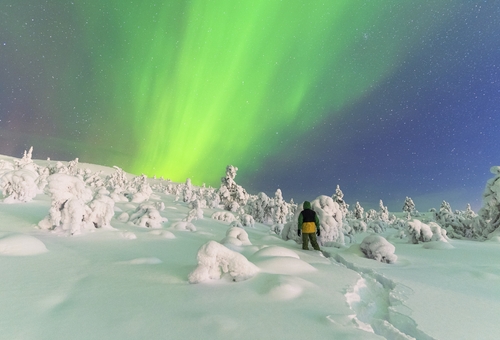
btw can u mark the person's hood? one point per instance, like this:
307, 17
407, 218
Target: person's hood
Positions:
307, 205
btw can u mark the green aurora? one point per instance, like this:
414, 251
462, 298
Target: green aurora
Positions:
183, 88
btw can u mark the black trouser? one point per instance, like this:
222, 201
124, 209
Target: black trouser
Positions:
305, 241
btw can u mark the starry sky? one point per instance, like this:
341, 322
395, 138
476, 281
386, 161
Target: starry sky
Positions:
387, 99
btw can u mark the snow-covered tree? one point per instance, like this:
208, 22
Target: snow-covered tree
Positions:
26, 162
280, 208
422, 232
69, 211
19, 185
139, 189
383, 212
359, 212
409, 207
101, 209
330, 218
232, 195
371, 215
490, 211
339, 198
117, 183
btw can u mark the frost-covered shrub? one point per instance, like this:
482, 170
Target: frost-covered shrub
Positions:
19, 185
421, 232
5, 166
289, 231
399, 224
277, 228
214, 260
247, 220
224, 216
458, 224
139, 189
377, 226
358, 226
147, 215
117, 183
195, 213
378, 248
330, 219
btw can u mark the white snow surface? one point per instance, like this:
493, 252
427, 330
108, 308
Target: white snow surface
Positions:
128, 282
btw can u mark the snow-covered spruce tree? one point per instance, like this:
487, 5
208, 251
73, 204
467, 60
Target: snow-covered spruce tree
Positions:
383, 212
331, 219
409, 207
359, 212
371, 215
339, 198
187, 191
490, 211
26, 162
280, 208
257, 206
232, 195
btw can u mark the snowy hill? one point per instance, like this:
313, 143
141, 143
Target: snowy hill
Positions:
129, 277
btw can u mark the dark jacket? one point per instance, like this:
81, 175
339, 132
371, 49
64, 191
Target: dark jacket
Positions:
307, 217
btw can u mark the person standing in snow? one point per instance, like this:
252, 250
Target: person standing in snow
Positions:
308, 227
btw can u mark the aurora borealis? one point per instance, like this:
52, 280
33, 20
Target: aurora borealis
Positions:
385, 98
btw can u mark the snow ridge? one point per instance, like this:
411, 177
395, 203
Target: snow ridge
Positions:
378, 304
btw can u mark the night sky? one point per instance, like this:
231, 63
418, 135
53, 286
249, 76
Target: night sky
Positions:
388, 98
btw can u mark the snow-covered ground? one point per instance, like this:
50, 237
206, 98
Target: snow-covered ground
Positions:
132, 282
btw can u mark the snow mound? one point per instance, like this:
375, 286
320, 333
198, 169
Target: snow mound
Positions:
21, 245
143, 260
163, 233
214, 260
276, 251
286, 287
128, 235
378, 248
236, 236
224, 216
437, 245
285, 266
183, 226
